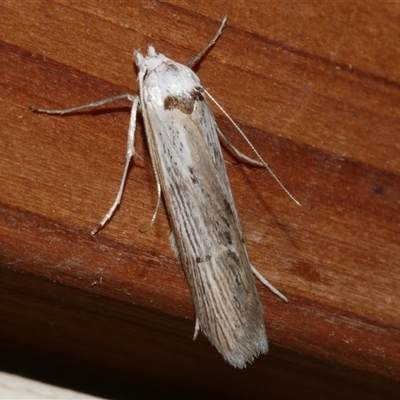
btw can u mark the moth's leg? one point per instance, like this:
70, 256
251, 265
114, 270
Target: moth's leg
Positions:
93, 104
153, 218
235, 151
268, 285
260, 163
130, 152
172, 241
201, 53
196, 329
175, 249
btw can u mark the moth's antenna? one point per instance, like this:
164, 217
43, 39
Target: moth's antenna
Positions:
200, 54
253, 148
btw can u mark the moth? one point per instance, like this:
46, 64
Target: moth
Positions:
189, 168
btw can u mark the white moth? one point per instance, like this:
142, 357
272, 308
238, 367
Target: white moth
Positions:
206, 236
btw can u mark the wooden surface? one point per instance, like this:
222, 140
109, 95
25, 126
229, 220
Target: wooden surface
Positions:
316, 87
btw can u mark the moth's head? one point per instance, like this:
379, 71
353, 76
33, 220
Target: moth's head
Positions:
149, 62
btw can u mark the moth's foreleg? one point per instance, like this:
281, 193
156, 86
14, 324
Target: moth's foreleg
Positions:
201, 53
93, 104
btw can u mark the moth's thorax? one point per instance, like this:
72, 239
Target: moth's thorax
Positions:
164, 79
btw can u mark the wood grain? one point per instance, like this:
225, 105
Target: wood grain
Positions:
315, 86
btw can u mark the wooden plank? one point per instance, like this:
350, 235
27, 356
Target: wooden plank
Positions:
316, 89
